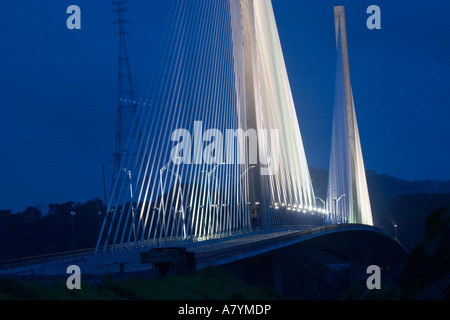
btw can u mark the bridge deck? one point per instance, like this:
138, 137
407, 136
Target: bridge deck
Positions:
344, 239
237, 248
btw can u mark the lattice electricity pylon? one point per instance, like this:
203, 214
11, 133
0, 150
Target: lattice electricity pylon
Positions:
348, 198
216, 147
126, 101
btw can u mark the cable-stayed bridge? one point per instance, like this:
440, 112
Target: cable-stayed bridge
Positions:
215, 151
216, 147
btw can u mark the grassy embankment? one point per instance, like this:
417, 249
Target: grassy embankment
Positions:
210, 284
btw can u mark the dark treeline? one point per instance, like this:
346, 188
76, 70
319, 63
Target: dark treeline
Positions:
31, 233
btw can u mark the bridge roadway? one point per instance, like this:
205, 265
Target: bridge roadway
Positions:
343, 240
212, 253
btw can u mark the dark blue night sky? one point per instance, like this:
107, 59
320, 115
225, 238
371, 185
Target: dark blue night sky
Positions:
58, 88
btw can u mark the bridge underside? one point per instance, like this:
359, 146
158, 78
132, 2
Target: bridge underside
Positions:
324, 262
344, 241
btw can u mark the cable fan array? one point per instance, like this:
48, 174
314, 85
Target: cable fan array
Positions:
185, 175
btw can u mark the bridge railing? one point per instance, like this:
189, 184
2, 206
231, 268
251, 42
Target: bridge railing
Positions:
47, 258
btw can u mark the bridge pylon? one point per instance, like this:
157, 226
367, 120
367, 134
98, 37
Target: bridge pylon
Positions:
347, 196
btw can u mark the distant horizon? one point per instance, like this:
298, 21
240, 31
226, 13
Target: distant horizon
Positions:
101, 197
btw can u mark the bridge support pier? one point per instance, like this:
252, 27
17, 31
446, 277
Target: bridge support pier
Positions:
358, 267
264, 270
277, 278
